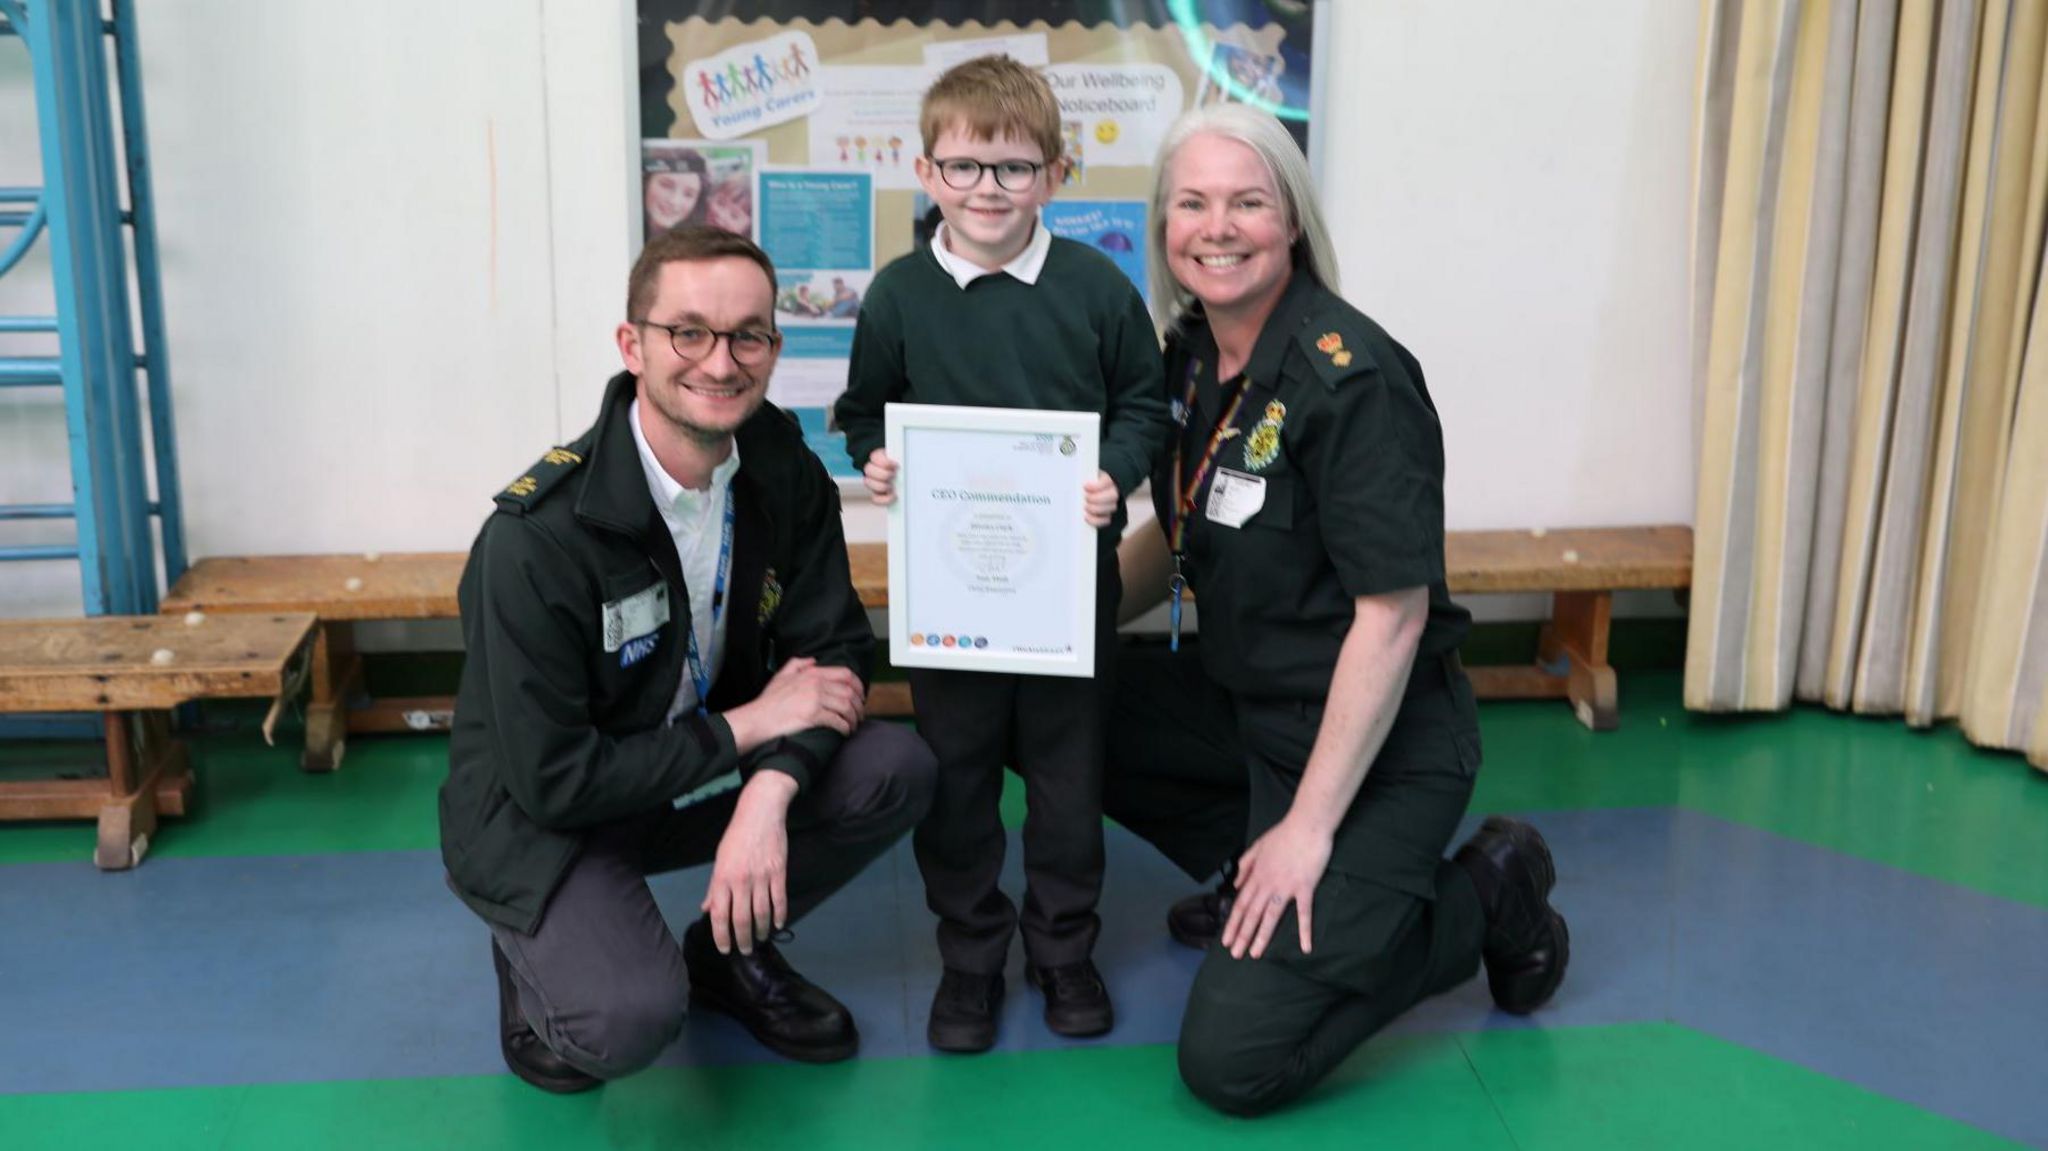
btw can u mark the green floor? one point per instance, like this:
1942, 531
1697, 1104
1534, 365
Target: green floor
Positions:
1638, 1086
1831, 780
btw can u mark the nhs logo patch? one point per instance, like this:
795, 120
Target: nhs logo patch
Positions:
638, 648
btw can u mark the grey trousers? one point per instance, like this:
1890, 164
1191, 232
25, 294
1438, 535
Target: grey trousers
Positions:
602, 980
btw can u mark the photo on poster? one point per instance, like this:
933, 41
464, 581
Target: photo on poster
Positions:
1242, 76
1116, 228
813, 297
698, 182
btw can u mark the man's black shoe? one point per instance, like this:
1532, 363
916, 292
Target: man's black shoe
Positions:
964, 1012
1198, 920
528, 1057
1527, 944
1076, 1002
789, 1014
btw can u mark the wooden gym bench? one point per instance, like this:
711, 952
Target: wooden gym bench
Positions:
345, 589
341, 590
1582, 568
132, 670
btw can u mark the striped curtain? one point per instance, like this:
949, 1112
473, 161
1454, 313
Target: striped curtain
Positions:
1870, 357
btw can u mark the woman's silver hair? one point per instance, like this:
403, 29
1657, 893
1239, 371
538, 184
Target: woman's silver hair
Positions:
1262, 133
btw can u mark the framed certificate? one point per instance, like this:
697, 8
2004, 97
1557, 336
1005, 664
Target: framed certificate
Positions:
991, 565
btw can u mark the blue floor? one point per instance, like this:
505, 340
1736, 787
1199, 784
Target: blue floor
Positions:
245, 970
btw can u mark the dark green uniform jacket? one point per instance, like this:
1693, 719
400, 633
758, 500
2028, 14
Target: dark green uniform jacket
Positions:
1338, 427
1339, 438
559, 719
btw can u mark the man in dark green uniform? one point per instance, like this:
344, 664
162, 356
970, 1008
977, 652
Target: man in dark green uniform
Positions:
656, 609
1330, 722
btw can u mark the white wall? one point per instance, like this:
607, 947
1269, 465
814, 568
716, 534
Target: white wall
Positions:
1508, 185
395, 237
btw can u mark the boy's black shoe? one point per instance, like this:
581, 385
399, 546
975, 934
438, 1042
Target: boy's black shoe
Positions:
1076, 1002
1527, 944
1198, 920
789, 1014
528, 1057
964, 1012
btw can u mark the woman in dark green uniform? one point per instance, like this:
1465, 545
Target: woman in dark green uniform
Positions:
1326, 740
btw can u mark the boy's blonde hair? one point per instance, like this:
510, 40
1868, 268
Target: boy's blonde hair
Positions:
990, 97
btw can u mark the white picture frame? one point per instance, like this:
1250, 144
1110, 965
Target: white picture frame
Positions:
992, 566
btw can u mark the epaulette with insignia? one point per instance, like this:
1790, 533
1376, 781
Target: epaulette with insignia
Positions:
523, 493
1335, 361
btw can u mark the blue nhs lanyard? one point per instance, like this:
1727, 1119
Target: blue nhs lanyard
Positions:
699, 676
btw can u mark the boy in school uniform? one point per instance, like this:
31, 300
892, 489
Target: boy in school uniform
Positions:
996, 312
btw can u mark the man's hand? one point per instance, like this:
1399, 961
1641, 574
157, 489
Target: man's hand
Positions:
1098, 500
802, 695
1282, 867
749, 895
880, 477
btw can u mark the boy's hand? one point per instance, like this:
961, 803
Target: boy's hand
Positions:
1098, 499
880, 477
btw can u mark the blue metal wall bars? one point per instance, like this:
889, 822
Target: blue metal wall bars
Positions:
79, 210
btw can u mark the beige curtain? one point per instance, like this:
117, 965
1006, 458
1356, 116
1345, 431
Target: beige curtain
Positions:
1870, 357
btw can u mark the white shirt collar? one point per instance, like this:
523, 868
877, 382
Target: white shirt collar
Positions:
1025, 266
670, 496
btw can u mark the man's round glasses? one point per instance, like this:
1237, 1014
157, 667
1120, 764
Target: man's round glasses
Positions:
963, 175
695, 342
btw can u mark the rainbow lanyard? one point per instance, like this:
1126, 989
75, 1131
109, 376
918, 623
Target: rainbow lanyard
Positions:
698, 675
1184, 496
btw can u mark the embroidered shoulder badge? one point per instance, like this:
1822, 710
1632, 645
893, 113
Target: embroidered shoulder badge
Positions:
1262, 447
771, 598
521, 494
1332, 345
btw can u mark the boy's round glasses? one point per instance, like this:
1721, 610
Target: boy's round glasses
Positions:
694, 342
963, 175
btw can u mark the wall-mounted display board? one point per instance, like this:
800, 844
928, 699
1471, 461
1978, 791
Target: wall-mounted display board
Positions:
796, 123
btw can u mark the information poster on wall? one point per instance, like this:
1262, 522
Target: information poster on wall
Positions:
1116, 228
818, 227
799, 126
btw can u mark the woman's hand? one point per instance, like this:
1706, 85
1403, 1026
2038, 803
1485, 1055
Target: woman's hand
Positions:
1365, 694
1283, 866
